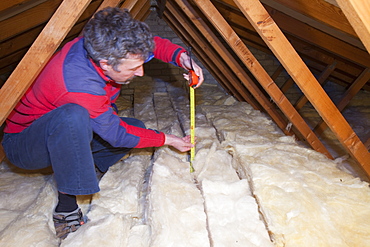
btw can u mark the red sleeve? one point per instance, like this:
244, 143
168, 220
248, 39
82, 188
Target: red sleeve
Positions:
167, 51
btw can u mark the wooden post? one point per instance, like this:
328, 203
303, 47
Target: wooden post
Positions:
288, 57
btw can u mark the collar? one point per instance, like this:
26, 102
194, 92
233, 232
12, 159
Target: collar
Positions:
100, 71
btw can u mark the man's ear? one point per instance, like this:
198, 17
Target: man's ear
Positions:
104, 64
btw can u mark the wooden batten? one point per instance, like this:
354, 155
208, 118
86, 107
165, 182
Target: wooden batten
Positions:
275, 39
206, 55
346, 98
322, 78
357, 12
234, 65
261, 75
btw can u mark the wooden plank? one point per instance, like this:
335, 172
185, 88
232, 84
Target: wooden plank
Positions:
318, 38
346, 98
311, 35
367, 144
357, 12
200, 46
19, 8
140, 6
322, 78
307, 50
288, 57
234, 65
319, 10
129, 4
12, 3
143, 15
108, 3
212, 65
288, 84
28, 19
39, 54
260, 74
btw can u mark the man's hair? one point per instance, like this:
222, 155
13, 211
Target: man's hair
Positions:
112, 34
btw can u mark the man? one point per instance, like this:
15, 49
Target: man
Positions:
66, 119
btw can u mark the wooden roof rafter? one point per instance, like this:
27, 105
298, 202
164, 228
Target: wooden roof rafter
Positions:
344, 73
275, 39
210, 11
203, 28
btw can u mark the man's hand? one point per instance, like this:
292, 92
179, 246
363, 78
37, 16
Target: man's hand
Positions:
186, 64
182, 144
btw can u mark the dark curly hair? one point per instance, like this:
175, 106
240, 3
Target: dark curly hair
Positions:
112, 34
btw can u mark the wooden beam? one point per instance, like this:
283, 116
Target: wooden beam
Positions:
39, 54
213, 65
28, 19
260, 74
109, 3
129, 4
288, 57
346, 98
195, 40
357, 12
14, 4
234, 65
314, 10
322, 78
140, 7
312, 52
145, 12
311, 35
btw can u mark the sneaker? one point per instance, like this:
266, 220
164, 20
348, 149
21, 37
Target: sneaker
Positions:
66, 222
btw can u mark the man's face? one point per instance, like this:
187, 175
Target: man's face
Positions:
129, 68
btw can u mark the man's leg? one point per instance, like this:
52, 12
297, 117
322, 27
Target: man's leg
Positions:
60, 138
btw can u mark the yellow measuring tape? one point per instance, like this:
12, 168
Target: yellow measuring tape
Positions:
192, 127
193, 81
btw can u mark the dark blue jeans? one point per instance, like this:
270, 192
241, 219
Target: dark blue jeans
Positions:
63, 139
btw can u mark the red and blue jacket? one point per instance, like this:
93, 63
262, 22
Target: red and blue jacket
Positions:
71, 77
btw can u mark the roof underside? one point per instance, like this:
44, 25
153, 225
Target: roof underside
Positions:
315, 41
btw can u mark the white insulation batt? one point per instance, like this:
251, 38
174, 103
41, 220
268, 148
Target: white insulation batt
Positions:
252, 186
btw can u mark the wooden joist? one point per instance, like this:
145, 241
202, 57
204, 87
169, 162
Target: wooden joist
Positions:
322, 78
206, 55
213, 66
288, 57
346, 98
260, 74
319, 14
234, 65
345, 71
357, 12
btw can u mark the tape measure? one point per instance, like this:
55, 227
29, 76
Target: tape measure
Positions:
193, 81
192, 127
